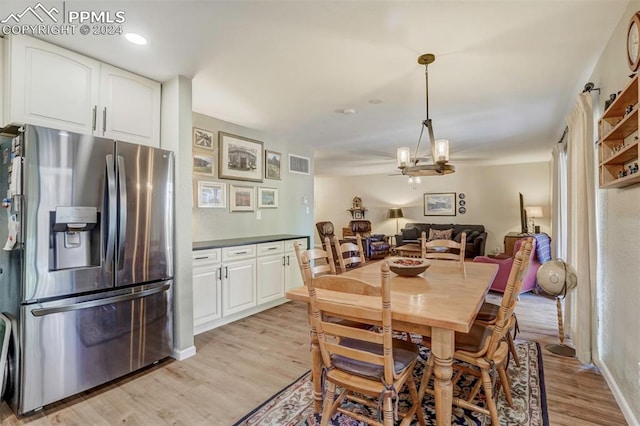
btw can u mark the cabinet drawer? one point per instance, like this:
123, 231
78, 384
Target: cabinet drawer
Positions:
206, 257
239, 252
288, 245
276, 247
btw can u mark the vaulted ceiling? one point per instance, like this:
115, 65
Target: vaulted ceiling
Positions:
505, 76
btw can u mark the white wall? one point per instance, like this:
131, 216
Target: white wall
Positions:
619, 250
491, 196
290, 217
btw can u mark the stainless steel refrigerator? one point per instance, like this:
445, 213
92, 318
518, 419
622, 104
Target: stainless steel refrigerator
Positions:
89, 278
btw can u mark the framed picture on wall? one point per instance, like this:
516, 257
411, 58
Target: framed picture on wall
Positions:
239, 158
267, 198
203, 164
272, 164
242, 198
440, 204
202, 139
212, 195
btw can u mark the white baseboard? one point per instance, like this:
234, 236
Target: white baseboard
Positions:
183, 354
618, 395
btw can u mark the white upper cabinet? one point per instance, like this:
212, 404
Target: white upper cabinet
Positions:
50, 86
130, 109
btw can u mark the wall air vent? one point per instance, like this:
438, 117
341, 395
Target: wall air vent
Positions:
299, 165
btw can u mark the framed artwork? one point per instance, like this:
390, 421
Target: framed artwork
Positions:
239, 158
267, 198
203, 164
202, 139
440, 204
242, 198
272, 164
358, 214
212, 195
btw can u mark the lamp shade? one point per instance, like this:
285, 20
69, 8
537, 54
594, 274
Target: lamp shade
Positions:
442, 151
403, 157
395, 213
534, 211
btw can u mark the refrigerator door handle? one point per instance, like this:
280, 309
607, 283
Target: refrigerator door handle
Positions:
122, 185
99, 302
112, 205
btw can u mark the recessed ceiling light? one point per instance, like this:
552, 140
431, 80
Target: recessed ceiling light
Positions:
135, 38
348, 111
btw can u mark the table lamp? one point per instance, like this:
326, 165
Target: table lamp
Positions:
534, 212
396, 213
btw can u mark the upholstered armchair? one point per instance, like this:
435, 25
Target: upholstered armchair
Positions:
325, 229
376, 246
540, 247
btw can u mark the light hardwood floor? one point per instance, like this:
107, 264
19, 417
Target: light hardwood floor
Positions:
240, 365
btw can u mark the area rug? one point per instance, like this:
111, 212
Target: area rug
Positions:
293, 405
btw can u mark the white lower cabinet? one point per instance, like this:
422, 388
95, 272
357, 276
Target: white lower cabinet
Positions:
233, 282
271, 267
206, 286
292, 273
238, 278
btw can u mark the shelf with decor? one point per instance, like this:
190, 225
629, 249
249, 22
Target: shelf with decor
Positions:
618, 139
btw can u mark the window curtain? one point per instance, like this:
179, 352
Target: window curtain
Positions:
559, 201
581, 227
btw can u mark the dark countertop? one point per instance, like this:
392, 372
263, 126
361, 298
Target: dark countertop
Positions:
230, 242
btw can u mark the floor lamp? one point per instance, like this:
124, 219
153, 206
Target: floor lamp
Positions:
396, 213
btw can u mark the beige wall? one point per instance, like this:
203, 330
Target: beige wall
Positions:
291, 217
491, 196
619, 250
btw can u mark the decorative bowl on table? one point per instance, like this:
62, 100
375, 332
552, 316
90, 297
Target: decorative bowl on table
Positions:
408, 267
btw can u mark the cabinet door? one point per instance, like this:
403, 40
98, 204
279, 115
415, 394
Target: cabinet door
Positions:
238, 286
51, 86
270, 278
206, 294
293, 274
129, 107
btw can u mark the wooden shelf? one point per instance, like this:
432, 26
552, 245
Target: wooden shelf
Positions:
622, 182
614, 128
624, 128
627, 154
628, 96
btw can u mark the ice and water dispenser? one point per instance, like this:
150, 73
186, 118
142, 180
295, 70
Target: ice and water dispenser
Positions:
75, 238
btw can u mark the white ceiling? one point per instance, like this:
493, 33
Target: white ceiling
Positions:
505, 76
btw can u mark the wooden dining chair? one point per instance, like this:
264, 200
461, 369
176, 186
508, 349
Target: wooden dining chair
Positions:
441, 249
349, 254
369, 366
484, 347
488, 313
323, 262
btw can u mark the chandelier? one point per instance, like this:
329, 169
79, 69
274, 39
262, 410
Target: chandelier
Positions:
439, 148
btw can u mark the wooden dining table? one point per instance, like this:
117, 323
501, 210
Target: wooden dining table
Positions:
439, 302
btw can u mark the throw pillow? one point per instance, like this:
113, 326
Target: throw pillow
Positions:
410, 234
444, 234
459, 236
472, 236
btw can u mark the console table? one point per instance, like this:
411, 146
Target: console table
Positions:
510, 240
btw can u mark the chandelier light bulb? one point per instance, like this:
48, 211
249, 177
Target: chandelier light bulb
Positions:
403, 156
442, 150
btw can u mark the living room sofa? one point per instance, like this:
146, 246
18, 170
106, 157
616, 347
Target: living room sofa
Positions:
476, 235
